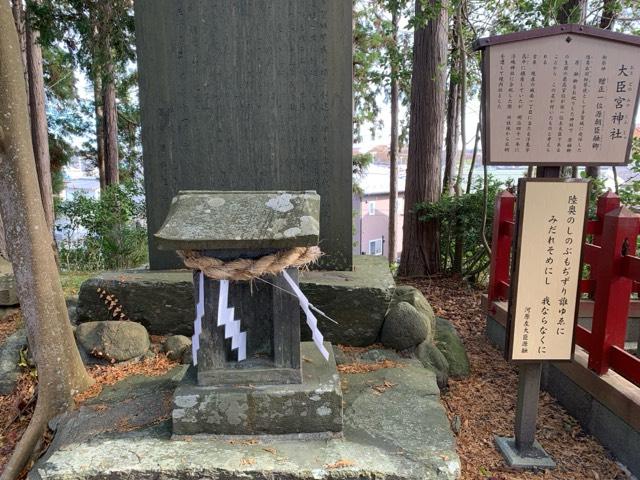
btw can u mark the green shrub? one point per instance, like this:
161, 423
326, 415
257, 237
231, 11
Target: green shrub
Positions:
461, 217
115, 225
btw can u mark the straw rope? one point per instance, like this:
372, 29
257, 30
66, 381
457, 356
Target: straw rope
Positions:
248, 269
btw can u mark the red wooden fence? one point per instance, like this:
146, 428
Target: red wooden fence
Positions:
614, 275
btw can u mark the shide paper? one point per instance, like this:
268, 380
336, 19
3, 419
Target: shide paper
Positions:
312, 321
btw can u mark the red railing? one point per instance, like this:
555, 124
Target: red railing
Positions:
614, 275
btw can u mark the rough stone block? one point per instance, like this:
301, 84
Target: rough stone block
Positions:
9, 358
113, 340
161, 301
450, 344
8, 295
357, 300
311, 407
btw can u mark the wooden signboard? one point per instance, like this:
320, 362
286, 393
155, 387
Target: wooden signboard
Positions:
565, 95
547, 268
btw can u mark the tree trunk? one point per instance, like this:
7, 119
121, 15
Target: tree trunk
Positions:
110, 127
459, 234
453, 116
3, 243
110, 119
393, 153
420, 246
39, 129
99, 114
61, 373
17, 9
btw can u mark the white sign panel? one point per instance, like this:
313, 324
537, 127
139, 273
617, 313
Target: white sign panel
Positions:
560, 99
547, 269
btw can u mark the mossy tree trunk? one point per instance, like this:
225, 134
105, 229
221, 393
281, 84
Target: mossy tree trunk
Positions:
61, 373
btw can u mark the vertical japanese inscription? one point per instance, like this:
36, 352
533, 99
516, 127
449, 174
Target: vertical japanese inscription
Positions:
544, 304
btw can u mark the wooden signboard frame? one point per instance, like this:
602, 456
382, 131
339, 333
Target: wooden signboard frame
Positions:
485, 44
515, 266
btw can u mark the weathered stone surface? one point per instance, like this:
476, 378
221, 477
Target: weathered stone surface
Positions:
402, 433
378, 355
449, 343
250, 95
176, 346
161, 301
9, 359
404, 327
311, 407
117, 340
8, 294
210, 220
433, 359
357, 300
406, 293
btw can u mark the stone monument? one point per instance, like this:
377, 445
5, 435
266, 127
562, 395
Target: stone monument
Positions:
247, 378
247, 95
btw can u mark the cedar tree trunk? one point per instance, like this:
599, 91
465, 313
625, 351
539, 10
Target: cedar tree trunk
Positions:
420, 246
39, 129
393, 153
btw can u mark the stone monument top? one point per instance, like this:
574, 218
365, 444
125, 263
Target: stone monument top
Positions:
213, 220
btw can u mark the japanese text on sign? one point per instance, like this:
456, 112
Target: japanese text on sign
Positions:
561, 99
548, 269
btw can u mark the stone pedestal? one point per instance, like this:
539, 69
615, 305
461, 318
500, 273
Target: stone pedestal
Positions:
311, 407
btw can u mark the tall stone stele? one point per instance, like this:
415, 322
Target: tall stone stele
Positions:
247, 95
268, 392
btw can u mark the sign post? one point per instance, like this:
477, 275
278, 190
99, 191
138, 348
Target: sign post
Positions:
564, 95
544, 298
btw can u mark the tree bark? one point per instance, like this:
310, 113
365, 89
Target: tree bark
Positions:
61, 373
453, 116
17, 9
39, 128
393, 151
110, 128
110, 119
99, 117
420, 246
3, 243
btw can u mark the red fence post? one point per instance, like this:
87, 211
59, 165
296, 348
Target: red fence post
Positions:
500, 244
606, 202
611, 306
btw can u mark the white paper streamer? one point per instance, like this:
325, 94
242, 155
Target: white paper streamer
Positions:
312, 321
231, 326
197, 324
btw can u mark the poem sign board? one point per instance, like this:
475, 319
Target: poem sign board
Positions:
547, 268
564, 95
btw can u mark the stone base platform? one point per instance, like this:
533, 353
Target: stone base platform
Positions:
395, 428
314, 406
163, 301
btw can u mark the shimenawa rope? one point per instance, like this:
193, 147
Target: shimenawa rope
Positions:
248, 269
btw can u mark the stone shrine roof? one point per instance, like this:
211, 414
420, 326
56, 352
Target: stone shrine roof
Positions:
215, 220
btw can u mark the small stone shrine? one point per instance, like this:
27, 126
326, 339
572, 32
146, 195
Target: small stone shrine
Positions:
245, 249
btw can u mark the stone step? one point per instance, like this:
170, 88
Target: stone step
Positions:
398, 430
